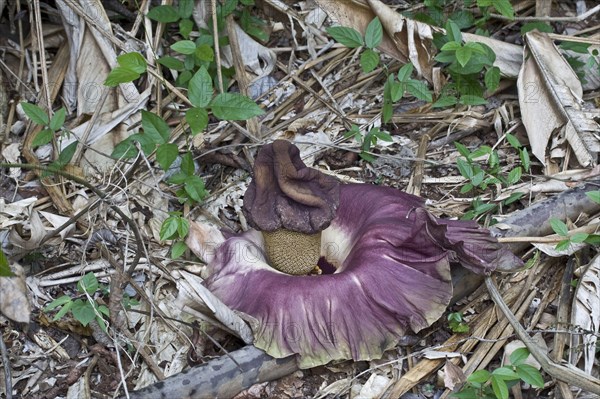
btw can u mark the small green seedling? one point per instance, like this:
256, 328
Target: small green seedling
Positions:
85, 309
175, 227
483, 384
457, 324
368, 141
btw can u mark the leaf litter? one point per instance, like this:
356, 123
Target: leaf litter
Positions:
316, 90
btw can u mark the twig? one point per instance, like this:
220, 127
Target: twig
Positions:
213, 12
6, 364
568, 373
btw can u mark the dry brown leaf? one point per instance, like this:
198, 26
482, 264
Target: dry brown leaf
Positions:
453, 375
550, 99
586, 315
13, 291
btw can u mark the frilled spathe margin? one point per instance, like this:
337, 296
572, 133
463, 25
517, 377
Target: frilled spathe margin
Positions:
393, 274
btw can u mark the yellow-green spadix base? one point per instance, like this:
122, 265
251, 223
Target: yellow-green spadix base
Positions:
292, 252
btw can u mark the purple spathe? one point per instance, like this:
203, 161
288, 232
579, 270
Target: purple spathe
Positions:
393, 275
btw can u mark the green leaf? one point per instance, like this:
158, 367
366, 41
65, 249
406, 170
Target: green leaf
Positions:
593, 239
4, 266
205, 53
492, 78
579, 237
513, 198
35, 113
481, 151
133, 61
462, 150
374, 33
463, 55
120, 75
405, 72
88, 283
541, 26
183, 228
185, 8
57, 302
168, 230
451, 46
194, 187
178, 249
171, 63
184, 47
43, 137
66, 154
469, 99
396, 90
83, 311
187, 164
563, 245
233, 106
63, 311
197, 118
466, 188
166, 154
581, 48
506, 373
594, 196
419, 89
185, 27
349, 37
465, 168
513, 141
200, 88
387, 111
499, 387
477, 178
453, 32
466, 393
483, 208
58, 119
519, 356
369, 60
559, 227
530, 375
155, 127
125, 149
445, 101
463, 18
164, 14
480, 376
445, 56
382, 135
104, 310
515, 175
505, 8
524, 155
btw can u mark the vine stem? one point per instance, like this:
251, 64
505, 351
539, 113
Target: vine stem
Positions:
101, 194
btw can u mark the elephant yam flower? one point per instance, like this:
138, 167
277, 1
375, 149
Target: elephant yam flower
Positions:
385, 262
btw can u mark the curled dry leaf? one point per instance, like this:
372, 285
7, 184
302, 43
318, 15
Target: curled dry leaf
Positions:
257, 58
15, 212
550, 99
200, 294
13, 291
453, 375
586, 315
